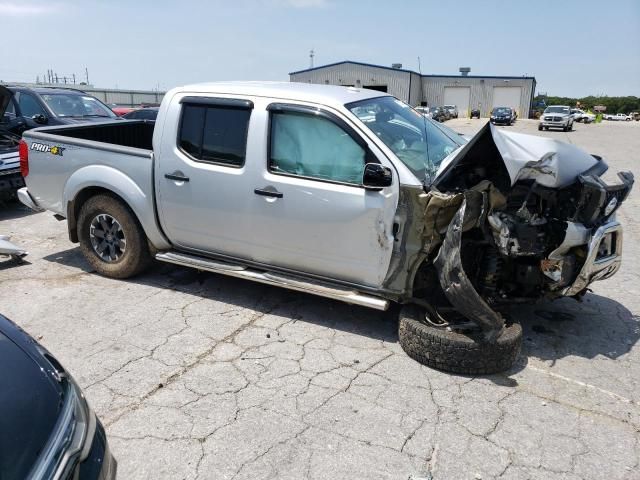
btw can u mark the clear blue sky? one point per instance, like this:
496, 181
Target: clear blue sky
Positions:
572, 47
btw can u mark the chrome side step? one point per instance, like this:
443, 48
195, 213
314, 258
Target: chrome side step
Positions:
277, 279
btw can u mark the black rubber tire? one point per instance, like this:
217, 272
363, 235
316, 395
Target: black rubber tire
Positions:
136, 257
539, 128
455, 352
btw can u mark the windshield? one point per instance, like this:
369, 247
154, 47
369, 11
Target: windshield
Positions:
74, 105
557, 110
413, 138
501, 111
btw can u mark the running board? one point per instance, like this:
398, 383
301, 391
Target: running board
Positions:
277, 279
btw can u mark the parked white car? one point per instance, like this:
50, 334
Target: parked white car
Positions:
582, 116
453, 110
618, 117
424, 111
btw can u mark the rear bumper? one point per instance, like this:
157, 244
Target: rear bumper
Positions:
10, 180
25, 198
604, 257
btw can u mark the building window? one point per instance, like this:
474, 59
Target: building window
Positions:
214, 134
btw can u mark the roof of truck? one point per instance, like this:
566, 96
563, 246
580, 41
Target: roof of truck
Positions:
323, 94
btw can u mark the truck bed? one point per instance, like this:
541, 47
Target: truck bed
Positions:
126, 133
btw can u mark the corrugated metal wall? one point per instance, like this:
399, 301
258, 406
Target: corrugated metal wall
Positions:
396, 81
128, 98
415, 95
481, 91
412, 88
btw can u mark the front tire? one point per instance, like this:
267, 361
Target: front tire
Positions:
451, 351
111, 238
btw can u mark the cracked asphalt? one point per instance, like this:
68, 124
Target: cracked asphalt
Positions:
200, 376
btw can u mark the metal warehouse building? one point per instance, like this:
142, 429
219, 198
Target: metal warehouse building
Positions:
465, 91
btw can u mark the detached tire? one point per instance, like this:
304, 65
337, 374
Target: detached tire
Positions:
455, 352
111, 238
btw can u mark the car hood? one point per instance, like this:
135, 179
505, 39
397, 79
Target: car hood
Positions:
5, 96
551, 114
30, 400
73, 121
549, 162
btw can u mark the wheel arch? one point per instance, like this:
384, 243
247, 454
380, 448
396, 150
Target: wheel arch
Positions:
93, 180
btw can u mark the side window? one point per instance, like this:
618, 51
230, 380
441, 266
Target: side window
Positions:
214, 134
29, 106
313, 146
10, 112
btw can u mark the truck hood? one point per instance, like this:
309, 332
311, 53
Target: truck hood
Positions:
5, 97
549, 162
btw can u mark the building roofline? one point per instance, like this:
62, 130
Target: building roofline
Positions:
384, 67
506, 77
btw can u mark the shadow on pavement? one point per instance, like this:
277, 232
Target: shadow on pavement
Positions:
552, 330
262, 298
12, 209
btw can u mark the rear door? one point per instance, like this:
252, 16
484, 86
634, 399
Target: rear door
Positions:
310, 211
202, 193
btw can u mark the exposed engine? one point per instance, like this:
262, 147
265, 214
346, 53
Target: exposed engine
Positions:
523, 230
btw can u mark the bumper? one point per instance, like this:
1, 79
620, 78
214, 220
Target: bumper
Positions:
604, 257
554, 124
25, 198
99, 464
10, 180
501, 121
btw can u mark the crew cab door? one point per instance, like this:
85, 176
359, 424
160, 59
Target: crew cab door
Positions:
200, 175
310, 211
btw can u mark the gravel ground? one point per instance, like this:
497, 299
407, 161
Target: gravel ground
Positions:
196, 375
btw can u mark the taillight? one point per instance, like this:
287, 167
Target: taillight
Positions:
23, 151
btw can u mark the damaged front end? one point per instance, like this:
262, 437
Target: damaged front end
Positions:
516, 218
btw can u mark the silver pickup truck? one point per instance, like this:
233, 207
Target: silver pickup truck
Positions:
341, 192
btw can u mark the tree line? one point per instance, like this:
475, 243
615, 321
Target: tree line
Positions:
613, 104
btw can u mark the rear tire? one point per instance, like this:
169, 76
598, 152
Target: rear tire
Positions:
450, 351
111, 238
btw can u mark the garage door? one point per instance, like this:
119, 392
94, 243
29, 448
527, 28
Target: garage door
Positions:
507, 97
458, 96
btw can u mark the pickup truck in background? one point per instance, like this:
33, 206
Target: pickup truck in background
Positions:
341, 192
617, 117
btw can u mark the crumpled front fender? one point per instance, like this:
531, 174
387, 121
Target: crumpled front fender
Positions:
456, 284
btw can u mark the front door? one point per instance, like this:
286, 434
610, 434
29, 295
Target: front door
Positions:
310, 211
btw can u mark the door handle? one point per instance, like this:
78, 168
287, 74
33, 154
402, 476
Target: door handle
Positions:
176, 176
268, 193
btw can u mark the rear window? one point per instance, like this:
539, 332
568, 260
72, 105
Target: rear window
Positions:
214, 134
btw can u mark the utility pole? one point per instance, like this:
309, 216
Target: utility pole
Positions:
311, 55
74, 78
86, 74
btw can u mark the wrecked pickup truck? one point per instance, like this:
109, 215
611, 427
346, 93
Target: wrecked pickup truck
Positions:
340, 192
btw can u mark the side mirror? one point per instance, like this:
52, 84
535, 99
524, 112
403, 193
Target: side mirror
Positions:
376, 176
41, 119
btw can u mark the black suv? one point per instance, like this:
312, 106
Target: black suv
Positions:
32, 107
